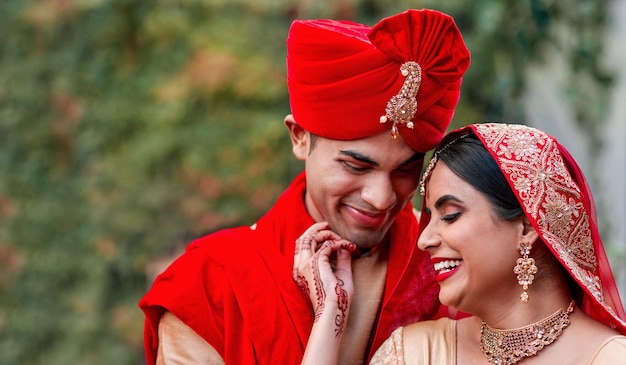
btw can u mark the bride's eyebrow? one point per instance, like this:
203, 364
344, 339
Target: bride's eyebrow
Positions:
445, 198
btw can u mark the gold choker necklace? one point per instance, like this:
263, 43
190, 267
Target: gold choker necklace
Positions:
507, 347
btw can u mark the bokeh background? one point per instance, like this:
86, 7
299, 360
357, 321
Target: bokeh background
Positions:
129, 127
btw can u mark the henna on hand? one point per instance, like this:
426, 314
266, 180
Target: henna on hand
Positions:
342, 308
320, 294
315, 273
302, 283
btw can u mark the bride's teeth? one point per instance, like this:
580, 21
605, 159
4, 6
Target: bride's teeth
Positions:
447, 265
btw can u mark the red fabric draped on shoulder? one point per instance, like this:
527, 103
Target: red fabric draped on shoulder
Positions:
235, 288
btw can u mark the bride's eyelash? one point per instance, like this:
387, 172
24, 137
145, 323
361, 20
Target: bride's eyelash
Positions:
450, 217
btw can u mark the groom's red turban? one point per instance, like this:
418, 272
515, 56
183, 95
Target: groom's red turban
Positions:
345, 79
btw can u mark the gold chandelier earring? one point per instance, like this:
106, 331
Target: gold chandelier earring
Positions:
525, 269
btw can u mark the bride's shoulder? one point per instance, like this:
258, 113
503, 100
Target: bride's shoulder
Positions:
430, 342
432, 327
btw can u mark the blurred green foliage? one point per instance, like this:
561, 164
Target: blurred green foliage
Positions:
128, 126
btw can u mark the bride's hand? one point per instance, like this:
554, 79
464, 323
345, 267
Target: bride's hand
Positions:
329, 288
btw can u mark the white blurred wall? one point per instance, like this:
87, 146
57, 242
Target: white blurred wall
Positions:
613, 164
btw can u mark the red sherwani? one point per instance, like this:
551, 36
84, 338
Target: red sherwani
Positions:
235, 288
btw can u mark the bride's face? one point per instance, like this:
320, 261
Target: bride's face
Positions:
473, 251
